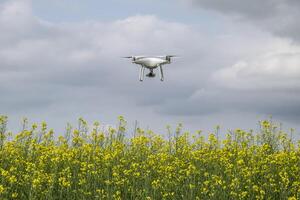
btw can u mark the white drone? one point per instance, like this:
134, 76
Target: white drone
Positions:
151, 63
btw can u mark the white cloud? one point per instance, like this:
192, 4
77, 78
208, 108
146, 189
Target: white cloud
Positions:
63, 70
276, 69
15, 19
36, 45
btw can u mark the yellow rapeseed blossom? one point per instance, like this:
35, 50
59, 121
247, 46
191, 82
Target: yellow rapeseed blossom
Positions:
90, 162
14, 195
1, 189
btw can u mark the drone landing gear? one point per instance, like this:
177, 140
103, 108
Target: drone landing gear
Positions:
161, 73
142, 72
151, 74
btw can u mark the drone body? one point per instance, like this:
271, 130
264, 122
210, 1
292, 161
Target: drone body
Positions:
151, 63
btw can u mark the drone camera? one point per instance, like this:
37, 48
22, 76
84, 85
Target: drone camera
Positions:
151, 75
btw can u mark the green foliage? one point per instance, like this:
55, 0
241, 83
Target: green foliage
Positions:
91, 163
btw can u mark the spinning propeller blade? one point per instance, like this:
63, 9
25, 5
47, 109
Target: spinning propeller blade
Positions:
168, 56
172, 56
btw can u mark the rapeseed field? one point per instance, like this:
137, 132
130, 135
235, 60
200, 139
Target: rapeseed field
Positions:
88, 162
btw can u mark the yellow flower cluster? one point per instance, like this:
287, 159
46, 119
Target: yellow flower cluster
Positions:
91, 163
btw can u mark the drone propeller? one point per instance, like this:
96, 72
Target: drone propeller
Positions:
134, 58
168, 56
172, 56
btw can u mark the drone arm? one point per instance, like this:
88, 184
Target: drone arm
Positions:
142, 71
161, 73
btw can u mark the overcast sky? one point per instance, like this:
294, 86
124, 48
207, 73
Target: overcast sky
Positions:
240, 62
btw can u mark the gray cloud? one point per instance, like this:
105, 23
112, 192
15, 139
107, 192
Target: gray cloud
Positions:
262, 83
279, 17
60, 71
71, 69
280, 104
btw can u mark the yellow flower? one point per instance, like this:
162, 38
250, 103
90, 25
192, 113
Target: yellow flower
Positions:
12, 179
14, 195
155, 184
292, 198
1, 189
64, 182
